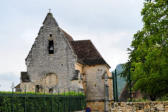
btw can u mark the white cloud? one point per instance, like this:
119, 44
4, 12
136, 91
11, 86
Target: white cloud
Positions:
112, 46
110, 24
6, 80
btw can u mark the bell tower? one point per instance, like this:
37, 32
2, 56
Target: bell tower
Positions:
51, 53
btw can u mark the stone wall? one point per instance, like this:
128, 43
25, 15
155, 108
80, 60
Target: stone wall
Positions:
95, 87
95, 82
45, 83
140, 107
96, 106
27, 87
62, 62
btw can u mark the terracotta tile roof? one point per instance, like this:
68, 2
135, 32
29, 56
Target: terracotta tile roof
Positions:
87, 53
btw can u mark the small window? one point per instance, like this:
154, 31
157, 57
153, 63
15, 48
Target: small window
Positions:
77, 72
50, 35
50, 47
51, 90
37, 89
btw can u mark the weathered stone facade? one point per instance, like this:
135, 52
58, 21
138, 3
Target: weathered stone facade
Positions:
58, 63
140, 107
40, 63
93, 82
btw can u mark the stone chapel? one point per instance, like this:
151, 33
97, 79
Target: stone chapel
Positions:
58, 62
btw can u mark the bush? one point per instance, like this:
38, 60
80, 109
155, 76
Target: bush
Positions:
40, 102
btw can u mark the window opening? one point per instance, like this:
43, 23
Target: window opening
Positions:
37, 88
50, 47
51, 90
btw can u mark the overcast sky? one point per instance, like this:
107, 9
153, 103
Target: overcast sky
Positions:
110, 24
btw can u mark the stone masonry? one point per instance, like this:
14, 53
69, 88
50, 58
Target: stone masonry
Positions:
157, 106
40, 63
56, 62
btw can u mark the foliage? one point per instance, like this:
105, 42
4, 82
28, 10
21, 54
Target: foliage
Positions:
149, 51
164, 98
138, 100
40, 102
69, 93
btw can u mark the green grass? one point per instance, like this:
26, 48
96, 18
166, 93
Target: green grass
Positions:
139, 100
164, 98
70, 93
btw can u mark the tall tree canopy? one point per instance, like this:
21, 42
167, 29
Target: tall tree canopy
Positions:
149, 51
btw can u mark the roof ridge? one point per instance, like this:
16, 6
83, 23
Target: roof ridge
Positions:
81, 40
68, 36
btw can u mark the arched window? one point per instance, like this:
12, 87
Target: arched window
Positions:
50, 46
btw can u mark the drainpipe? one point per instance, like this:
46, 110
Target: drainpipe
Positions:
106, 96
116, 86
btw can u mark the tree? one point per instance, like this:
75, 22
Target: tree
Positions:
149, 51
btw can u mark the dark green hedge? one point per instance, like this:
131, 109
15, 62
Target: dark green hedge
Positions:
41, 103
